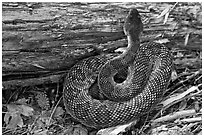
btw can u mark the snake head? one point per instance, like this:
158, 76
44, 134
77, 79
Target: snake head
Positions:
133, 23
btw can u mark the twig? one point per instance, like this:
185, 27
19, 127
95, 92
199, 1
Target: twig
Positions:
15, 21
191, 120
175, 115
170, 101
181, 82
116, 130
54, 111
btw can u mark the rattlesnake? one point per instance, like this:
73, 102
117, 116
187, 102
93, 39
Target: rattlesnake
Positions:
148, 67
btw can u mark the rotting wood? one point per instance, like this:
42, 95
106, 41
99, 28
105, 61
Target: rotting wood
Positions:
51, 37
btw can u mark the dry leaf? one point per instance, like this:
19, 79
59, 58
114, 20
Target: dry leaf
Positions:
26, 110
38, 66
166, 17
174, 75
15, 121
59, 111
117, 129
13, 116
164, 12
186, 39
179, 96
162, 41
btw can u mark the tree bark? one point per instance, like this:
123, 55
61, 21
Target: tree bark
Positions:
41, 41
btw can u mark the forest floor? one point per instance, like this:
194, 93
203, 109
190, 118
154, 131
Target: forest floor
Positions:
39, 38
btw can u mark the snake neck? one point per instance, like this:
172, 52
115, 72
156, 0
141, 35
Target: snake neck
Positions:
132, 48
133, 43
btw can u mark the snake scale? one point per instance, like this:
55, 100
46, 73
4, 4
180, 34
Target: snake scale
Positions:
147, 69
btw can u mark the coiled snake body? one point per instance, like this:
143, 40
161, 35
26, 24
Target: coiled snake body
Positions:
148, 69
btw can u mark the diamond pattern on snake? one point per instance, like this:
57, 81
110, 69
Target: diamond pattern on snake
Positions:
93, 95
